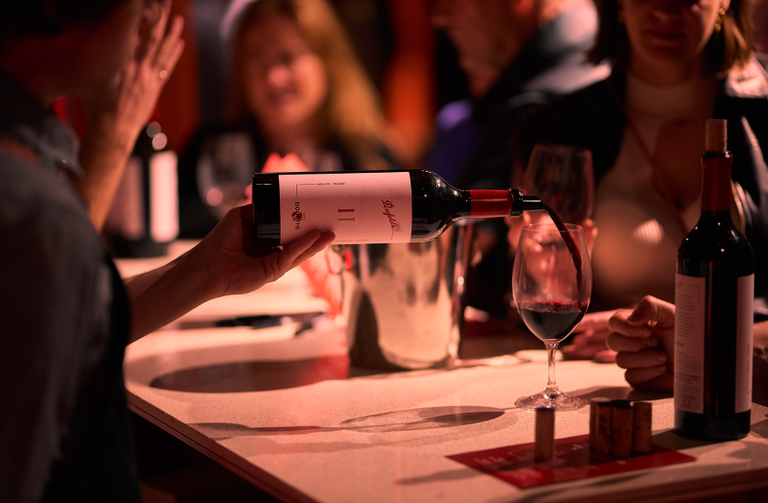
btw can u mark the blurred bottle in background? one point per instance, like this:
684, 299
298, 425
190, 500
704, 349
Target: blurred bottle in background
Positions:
144, 216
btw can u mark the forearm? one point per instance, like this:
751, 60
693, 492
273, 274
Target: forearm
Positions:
103, 156
161, 296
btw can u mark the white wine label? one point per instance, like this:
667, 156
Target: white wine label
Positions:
744, 343
163, 197
690, 311
690, 306
357, 207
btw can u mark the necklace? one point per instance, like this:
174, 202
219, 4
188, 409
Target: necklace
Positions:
658, 183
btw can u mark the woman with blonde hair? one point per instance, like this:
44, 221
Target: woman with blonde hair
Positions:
297, 87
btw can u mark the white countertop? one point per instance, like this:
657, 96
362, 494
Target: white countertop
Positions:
288, 413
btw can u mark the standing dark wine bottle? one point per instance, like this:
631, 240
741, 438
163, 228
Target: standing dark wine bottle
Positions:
714, 292
371, 206
144, 217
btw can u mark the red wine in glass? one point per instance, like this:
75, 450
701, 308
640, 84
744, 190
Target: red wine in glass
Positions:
549, 320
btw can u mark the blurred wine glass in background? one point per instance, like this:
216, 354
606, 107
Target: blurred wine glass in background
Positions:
562, 177
224, 170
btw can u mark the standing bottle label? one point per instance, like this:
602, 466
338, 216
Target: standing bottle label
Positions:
359, 207
690, 343
163, 197
690, 306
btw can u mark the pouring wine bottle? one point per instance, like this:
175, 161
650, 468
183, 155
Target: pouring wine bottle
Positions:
371, 207
714, 289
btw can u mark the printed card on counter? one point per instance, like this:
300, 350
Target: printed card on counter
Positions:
572, 460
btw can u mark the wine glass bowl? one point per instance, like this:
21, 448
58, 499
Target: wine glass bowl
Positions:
562, 177
225, 166
552, 286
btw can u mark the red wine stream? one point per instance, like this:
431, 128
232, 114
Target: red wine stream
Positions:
569, 242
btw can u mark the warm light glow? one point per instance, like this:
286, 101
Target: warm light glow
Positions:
159, 141
649, 232
214, 197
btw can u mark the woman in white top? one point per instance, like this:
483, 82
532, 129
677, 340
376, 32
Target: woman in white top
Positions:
676, 63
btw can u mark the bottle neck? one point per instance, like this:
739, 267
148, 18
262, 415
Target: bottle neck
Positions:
716, 182
501, 203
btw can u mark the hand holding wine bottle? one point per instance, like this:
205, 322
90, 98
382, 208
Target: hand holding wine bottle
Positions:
225, 262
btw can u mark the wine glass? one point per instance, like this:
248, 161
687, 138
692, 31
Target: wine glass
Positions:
224, 169
562, 177
552, 286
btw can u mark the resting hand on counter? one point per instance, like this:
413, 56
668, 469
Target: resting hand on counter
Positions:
589, 341
225, 262
119, 110
644, 339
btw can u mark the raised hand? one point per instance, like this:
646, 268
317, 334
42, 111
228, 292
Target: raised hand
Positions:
121, 107
127, 101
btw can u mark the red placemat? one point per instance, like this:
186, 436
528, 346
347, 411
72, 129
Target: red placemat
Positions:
572, 460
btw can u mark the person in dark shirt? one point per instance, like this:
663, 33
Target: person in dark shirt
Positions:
65, 313
517, 56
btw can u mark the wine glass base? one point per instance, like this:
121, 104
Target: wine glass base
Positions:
558, 400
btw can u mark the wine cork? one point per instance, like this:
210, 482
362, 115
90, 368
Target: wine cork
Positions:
544, 446
594, 417
717, 135
641, 427
603, 426
621, 429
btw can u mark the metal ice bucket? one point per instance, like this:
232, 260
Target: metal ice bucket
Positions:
402, 303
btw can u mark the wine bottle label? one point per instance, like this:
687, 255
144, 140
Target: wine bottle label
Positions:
690, 306
163, 197
690, 320
357, 207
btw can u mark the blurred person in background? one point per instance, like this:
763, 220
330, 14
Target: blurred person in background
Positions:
65, 313
297, 87
676, 64
517, 55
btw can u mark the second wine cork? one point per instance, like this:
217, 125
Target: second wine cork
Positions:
594, 419
641, 427
621, 429
544, 446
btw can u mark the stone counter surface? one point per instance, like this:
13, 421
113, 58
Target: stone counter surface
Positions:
289, 414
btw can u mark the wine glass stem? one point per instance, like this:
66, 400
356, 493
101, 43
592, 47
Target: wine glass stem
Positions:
551, 351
